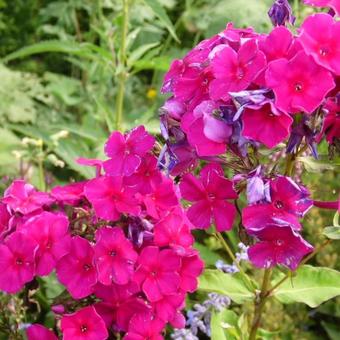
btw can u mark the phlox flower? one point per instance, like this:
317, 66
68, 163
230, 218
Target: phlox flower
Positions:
144, 327
334, 4
288, 203
126, 151
76, 270
278, 245
70, 194
235, 71
24, 198
119, 304
319, 36
299, 84
266, 124
115, 256
84, 324
157, 272
191, 268
17, 262
331, 123
39, 332
50, 232
110, 198
209, 195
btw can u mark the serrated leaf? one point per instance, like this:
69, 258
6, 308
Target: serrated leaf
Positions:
311, 285
225, 284
160, 12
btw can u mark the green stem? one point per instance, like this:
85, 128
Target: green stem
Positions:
42, 182
122, 76
245, 277
260, 301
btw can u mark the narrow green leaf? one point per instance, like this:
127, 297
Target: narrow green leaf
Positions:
311, 285
336, 221
313, 165
139, 52
332, 330
226, 284
160, 12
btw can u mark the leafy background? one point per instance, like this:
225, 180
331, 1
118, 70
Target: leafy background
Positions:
59, 73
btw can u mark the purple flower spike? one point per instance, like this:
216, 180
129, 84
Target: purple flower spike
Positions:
278, 245
281, 12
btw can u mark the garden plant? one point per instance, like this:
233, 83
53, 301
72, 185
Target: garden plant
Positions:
223, 223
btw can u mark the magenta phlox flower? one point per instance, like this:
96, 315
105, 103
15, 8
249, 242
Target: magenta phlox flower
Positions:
83, 324
319, 36
288, 203
334, 4
77, 270
17, 262
266, 124
24, 198
299, 84
144, 327
110, 198
115, 256
50, 232
331, 123
278, 245
235, 71
39, 332
126, 151
70, 194
157, 272
209, 195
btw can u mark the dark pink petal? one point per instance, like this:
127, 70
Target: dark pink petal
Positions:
191, 188
139, 141
115, 145
200, 214
39, 332
224, 215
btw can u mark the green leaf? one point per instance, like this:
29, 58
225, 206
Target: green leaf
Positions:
311, 285
225, 284
224, 325
313, 165
332, 233
333, 331
139, 52
160, 12
209, 257
52, 286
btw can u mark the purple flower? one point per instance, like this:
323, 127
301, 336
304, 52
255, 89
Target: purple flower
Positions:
278, 245
281, 12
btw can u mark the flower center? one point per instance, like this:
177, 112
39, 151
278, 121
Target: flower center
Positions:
19, 262
240, 74
87, 267
298, 87
279, 204
279, 242
153, 273
323, 51
113, 253
83, 328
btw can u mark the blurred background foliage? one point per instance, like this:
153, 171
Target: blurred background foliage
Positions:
60, 68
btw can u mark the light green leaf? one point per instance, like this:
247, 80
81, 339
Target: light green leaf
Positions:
139, 52
160, 12
224, 325
313, 165
332, 233
311, 285
225, 284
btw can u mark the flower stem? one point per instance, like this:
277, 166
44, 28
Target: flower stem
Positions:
40, 157
260, 301
245, 277
122, 76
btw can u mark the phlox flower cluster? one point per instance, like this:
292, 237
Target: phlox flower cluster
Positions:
119, 243
241, 91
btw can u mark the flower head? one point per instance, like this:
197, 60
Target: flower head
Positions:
84, 324
319, 36
209, 195
76, 270
278, 245
17, 262
288, 203
126, 151
115, 256
299, 84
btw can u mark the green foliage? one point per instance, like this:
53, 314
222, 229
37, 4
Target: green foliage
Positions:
225, 284
311, 285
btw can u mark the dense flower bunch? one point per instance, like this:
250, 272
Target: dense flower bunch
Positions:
237, 93
120, 244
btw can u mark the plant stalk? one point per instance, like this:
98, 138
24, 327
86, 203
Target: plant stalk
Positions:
122, 76
260, 301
